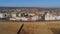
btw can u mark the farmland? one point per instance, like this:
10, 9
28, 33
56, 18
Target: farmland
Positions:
43, 27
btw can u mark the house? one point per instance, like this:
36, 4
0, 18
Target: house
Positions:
31, 14
34, 18
25, 19
50, 16
12, 19
19, 16
41, 16
4, 15
24, 14
13, 15
58, 18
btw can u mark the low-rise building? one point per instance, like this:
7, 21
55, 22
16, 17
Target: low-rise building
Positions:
49, 16
3, 15
34, 18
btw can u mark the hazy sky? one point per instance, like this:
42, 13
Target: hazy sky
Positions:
30, 3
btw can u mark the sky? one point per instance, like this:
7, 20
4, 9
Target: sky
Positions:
30, 3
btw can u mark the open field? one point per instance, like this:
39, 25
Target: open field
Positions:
43, 27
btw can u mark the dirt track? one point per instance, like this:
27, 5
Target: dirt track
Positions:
52, 27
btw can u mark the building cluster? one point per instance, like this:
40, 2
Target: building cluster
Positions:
29, 15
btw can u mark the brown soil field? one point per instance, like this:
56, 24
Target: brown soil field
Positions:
43, 27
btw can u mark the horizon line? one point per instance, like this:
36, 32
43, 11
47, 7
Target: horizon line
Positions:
30, 6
